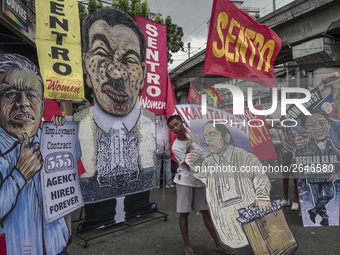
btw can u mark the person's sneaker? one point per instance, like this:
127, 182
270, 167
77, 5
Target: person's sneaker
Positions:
295, 206
169, 187
284, 203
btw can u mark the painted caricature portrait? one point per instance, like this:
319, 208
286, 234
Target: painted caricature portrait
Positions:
228, 191
21, 206
115, 64
21, 102
117, 136
318, 148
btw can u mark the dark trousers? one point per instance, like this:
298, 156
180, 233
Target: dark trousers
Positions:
323, 193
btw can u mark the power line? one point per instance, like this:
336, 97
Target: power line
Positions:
196, 28
198, 32
87, 2
157, 7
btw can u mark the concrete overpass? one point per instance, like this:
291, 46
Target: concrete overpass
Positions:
310, 34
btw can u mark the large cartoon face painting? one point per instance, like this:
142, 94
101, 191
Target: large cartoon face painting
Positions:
114, 68
21, 102
319, 125
214, 138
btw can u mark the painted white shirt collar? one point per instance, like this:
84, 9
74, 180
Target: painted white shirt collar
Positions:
107, 121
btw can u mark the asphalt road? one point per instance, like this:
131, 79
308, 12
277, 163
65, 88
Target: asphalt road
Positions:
163, 237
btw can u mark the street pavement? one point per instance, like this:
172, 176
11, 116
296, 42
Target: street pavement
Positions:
163, 237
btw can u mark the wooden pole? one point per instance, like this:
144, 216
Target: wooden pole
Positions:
66, 107
163, 180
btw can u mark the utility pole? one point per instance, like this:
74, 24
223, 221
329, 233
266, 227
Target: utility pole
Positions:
274, 5
189, 50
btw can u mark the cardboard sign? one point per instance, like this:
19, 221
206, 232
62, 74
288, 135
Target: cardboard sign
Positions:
59, 176
192, 115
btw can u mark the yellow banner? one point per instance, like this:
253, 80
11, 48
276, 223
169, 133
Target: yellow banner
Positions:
59, 49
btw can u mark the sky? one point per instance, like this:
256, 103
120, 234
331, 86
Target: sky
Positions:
193, 15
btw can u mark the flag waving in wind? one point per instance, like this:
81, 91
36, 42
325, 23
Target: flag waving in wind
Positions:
193, 96
239, 47
171, 110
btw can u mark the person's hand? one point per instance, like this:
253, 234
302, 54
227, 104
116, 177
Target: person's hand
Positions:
30, 160
325, 88
263, 205
58, 120
192, 157
191, 135
327, 79
300, 141
333, 177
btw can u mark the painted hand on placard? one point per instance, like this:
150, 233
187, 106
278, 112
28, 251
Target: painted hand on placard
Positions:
58, 120
327, 79
333, 177
263, 205
327, 86
299, 140
30, 160
192, 157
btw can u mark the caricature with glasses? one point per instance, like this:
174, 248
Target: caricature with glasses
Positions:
314, 149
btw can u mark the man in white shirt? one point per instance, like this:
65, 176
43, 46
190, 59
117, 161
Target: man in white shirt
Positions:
190, 191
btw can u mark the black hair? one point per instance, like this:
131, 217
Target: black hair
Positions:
303, 118
113, 17
223, 129
174, 117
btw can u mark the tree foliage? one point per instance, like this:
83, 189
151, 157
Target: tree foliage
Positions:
133, 7
94, 5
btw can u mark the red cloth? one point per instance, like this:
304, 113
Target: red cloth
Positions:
239, 47
51, 109
3, 249
260, 140
194, 97
81, 168
171, 110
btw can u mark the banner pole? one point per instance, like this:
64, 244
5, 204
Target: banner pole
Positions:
202, 81
163, 180
66, 107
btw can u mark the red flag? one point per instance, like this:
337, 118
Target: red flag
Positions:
260, 140
239, 47
194, 96
152, 97
171, 110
